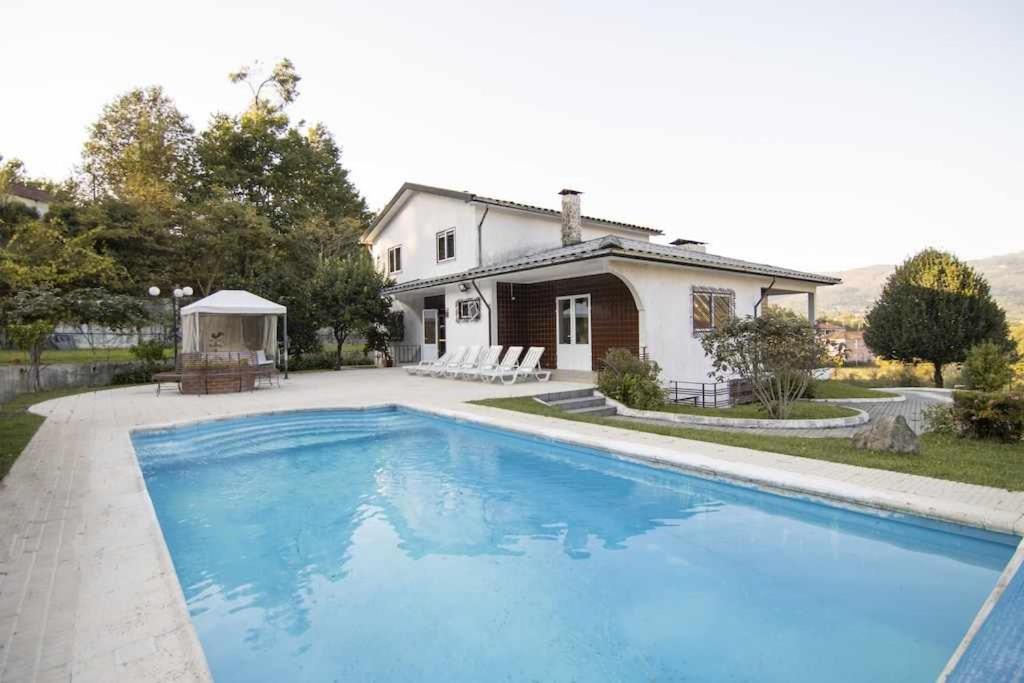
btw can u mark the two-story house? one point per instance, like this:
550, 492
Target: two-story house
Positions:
475, 270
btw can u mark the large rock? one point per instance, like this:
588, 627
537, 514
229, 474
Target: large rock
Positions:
890, 433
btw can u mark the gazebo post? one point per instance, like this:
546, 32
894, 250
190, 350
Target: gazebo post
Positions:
286, 344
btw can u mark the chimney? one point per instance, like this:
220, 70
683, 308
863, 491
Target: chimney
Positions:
572, 233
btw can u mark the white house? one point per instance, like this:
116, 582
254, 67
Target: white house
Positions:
31, 197
475, 270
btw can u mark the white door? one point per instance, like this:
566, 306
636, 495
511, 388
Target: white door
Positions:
429, 334
573, 332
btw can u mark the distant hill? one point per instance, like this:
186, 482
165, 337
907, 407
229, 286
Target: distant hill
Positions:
861, 286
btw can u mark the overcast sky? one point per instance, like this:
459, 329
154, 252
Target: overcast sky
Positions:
820, 136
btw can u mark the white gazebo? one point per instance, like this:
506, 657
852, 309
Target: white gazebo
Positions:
233, 320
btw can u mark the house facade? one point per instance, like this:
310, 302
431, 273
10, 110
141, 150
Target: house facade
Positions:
469, 269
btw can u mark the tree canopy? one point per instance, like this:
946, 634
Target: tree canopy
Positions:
933, 309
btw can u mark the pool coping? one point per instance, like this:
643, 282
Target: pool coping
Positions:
967, 519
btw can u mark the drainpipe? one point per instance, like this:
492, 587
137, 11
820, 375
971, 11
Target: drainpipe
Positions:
764, 295
479, 238
480, 262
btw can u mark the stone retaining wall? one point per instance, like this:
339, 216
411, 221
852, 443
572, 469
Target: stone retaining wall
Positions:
16, 379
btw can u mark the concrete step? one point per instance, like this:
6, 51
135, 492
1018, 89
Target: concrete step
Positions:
566, 395
581, 402
600, 411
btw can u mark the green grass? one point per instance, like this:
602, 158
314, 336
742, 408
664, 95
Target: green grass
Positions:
18, 426
81, 356
943, 457
835, 389
801, 410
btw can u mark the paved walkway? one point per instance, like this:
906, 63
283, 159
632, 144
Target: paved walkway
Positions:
911, 409
87, 588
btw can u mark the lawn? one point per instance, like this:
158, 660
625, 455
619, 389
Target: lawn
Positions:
17, 425
801, 410
836, 389
81, 356
942, 457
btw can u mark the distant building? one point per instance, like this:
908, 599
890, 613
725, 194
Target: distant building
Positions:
849, 342
39, 200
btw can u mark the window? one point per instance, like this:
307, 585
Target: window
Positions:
446, 245
395, 260
467, 310
712, 308
573, 318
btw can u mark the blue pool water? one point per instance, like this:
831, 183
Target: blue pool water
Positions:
393, 545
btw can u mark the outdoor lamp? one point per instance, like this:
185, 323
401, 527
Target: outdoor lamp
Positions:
154, 291
187, 291
178, 293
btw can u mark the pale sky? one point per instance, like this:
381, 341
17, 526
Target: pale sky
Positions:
819, 136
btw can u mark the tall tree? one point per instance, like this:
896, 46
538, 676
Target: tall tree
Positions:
933, 309
142, 148
346, 292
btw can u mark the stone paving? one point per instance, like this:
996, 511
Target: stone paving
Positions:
87, 588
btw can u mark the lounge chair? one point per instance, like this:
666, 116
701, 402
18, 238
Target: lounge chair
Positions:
425, 366
488, 359
471, 360
453, 362
507, 364
528, 368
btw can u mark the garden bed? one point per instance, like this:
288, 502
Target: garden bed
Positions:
804, 415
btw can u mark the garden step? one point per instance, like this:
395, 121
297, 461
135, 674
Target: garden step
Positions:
582, 402
563, 395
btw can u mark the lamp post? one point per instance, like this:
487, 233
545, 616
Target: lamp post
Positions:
177, 293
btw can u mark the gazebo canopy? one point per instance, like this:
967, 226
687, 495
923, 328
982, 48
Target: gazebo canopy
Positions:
232, 320
234, 302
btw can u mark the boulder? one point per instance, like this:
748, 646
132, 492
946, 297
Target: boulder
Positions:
890, 433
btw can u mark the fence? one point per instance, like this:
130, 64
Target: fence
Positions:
404, 354
709, 394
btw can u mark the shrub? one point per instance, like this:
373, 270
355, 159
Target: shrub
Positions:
985, 415
149, 352
987, 368
776, 353
939, 419
630, 380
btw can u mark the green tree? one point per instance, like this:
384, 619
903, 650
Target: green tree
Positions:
97, 312
41, 255
32, 314
223, 243
776, 353
347, 296
1017, 334
142, 148
988, 367
933, 309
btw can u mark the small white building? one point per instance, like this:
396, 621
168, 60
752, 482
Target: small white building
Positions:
475, 270
31, 197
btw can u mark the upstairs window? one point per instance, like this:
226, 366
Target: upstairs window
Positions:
394, 260
712, 308
446, 245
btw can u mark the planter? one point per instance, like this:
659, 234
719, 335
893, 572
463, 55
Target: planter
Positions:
742, 422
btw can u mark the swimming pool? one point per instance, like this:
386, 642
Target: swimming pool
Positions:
389, 544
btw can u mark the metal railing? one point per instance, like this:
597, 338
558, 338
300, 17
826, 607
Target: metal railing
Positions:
709, 394
405, 353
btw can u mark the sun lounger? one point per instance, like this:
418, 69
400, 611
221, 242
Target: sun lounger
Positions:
507, 364
453, 362
488, 359
469, 361
528, 368
425, 366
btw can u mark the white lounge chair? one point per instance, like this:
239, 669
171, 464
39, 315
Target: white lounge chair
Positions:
528, 368
468, 361
488, 359
508, 364
453, 362
425, 366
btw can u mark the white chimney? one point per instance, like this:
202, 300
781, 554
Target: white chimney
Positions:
572, 232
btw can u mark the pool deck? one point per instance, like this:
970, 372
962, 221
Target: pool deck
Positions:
87, 588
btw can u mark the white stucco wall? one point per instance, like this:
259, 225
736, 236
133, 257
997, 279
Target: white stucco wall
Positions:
415, 228
666, 316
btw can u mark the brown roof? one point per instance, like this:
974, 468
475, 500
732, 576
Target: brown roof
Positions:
470, 197
26, 192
